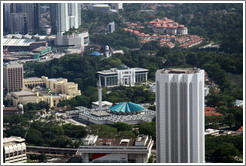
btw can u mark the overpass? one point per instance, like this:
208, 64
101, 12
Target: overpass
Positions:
54, 151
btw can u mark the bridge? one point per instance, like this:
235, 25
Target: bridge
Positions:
52, 151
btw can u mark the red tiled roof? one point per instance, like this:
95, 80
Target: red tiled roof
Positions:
9, 108
210, 113
141, 27
240, 129
210, 109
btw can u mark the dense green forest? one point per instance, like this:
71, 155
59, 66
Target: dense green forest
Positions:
223, 149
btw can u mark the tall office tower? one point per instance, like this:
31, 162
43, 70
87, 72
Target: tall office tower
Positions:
27, 16
18, 23
53, 17
68, 16
6, 17
37, 17
13, 76
180, 115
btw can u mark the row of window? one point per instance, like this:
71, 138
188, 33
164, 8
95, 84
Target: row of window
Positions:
112, 81
16, 153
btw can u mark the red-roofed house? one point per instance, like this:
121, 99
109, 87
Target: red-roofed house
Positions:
210, 113
240, 129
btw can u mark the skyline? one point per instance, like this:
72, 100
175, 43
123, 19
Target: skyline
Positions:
90, 42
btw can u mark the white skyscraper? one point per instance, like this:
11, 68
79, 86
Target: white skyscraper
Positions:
68, 16
180, 115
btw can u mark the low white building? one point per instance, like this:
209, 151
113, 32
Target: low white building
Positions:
14, 150
122, 76
116, 150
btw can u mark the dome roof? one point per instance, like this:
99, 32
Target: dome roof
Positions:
125, 107
20, 106
95, 53
122, 67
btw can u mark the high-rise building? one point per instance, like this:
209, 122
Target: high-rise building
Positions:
53, 17
13, 76
18, 23
111, 27
65, 16
21, 18
37, 17
180, 115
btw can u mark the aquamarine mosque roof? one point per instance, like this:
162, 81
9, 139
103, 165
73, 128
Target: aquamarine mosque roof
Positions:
125, 107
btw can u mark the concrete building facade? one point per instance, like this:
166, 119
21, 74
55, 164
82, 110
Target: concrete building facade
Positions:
14, 150
13, 76
68, 16
122, 76
22, 18
104, 150
74, 40
180, 115
56, 91
18, 23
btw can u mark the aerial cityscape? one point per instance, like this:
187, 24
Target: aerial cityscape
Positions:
122, 83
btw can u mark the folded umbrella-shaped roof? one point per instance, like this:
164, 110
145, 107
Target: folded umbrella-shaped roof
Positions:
125, 107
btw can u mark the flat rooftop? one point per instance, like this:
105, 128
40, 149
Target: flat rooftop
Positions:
24, 93
33, 78
115, 142
101, 114
114, 70
180, 70
10, 108
12, 140
17, 42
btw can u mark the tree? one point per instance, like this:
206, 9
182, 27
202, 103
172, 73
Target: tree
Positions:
103, 131
126, 134
34, 137
122, 126
230, 119
148, 128
224, 153
220, 99
16, 131
74, 131
62, 141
